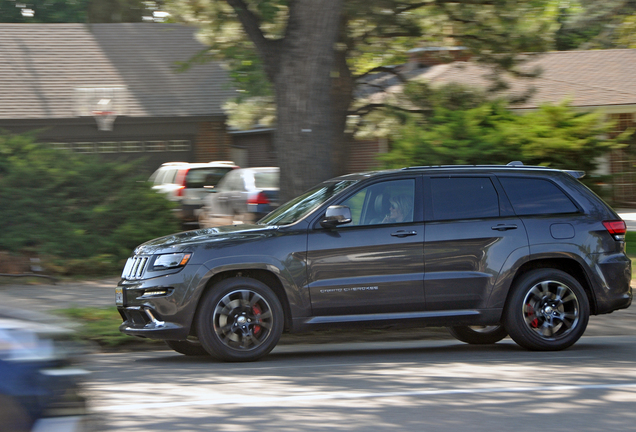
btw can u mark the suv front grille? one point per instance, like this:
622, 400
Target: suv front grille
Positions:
135, 267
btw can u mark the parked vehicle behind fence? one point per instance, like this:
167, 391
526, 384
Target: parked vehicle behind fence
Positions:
187, 184
243, 196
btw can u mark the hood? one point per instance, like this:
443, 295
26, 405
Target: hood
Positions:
189, 239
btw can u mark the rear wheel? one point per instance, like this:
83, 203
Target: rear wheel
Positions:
479, 335
187, 347
548, 310
240, 319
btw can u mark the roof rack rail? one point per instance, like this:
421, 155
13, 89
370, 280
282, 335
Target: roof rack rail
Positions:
511, 164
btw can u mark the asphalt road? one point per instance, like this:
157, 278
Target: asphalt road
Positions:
389, 386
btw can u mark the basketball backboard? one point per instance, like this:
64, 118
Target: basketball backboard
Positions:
103, 103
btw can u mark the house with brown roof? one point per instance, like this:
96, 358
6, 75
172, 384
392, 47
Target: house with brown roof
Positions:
114, 90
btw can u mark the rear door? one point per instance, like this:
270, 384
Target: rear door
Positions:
471, 232
373, 264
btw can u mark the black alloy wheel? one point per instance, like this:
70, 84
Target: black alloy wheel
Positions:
548, 310
240, 319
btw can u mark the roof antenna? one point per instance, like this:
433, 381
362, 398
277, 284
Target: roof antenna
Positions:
515, 163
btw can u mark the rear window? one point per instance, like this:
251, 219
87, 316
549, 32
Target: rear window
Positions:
266, 180
199, 177
464, 198
530, 196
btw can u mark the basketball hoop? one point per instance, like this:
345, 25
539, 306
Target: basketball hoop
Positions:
105, 120
103, 103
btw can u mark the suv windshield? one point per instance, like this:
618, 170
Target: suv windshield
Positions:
299, 207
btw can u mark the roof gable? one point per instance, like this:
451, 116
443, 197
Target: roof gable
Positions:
585, 78
41, 65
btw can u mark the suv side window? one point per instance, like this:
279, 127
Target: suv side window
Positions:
381, 203
532, 196
463, 198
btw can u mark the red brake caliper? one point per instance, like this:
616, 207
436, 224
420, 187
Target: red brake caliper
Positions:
257, 312
530, 312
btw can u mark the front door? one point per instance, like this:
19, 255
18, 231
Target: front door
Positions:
375, 263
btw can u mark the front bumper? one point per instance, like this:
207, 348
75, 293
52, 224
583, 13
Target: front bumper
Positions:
142, 322
159, 308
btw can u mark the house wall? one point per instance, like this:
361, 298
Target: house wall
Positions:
364, 155
213, 143
152, 141
257, 147
622, 163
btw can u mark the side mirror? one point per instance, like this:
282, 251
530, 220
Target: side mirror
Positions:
336, 215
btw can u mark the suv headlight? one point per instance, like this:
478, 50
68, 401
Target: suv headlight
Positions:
170, 261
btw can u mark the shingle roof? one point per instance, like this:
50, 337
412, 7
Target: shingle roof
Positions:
585, 78
41, 65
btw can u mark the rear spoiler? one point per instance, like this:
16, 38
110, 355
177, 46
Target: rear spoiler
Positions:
573, 173
576, 174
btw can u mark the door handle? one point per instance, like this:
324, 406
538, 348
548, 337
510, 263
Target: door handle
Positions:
403, 233
503, 227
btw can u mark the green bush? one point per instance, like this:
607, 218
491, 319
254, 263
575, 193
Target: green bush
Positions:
630, 245
78, 214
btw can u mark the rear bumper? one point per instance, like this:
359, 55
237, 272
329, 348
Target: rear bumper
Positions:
189, 212
615, 291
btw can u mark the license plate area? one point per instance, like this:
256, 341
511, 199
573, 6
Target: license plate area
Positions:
119, 296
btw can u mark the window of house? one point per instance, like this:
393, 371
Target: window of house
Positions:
621, 122
463, 198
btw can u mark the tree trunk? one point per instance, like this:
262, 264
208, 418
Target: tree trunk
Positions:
342, 97
305, 128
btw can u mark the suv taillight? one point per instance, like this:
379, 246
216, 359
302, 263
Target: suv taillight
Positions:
181, 181
261, 198
616, 228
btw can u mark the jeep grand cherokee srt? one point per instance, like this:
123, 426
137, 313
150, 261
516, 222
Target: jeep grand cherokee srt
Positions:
485, 250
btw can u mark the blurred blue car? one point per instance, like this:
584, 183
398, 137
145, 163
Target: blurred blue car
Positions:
39, 382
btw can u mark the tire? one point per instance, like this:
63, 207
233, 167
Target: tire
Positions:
548, 310
479, 335
187, 347
239, 319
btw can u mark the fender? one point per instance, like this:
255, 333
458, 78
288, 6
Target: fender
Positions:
502, 285
291, 274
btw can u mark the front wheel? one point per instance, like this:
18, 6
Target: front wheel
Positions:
239, 319
548, 310
479, 335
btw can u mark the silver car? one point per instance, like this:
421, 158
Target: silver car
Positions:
242, 196
187, 184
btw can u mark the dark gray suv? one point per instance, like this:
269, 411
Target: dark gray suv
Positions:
485, 250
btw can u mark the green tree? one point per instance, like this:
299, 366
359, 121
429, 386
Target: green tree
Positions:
483, 131
313, 52
589, 24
